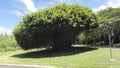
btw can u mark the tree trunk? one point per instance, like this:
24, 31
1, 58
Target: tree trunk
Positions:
62, 46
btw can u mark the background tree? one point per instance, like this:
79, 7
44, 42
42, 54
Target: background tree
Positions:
55, 27
8, 43
111, 16
1, 37
109, 22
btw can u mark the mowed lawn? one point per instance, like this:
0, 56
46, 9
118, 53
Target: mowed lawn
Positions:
74, 58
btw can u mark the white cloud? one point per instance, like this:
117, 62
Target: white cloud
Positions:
30, 5
62, 0
110, 3
17, 13
100, 8
114, 3
4, 30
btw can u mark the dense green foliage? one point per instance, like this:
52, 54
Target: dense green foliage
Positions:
109, 24
109, 13
8, 43
55, 27
111, 16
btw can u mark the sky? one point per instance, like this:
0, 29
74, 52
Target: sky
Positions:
12, 11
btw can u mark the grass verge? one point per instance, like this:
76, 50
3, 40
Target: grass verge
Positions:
73, 58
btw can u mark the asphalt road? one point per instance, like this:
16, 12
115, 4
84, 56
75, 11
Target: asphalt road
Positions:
22, 66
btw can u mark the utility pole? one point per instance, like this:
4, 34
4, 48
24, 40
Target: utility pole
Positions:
110, 36
110, 45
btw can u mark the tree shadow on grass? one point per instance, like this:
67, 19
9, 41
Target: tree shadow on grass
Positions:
53, 53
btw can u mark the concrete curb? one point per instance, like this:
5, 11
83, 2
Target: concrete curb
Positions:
20, 65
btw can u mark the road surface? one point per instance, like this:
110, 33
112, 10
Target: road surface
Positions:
22, 66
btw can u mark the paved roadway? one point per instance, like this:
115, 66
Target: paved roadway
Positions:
22, 66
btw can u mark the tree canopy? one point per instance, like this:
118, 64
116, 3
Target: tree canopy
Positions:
55, 27
109, 24
109, 13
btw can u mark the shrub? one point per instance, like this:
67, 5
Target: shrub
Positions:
8, 43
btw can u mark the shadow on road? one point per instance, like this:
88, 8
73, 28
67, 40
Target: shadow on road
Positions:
52, 53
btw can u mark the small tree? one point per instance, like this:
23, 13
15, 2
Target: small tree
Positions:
55, 27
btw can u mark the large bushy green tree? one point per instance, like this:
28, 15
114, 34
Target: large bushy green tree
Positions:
55, 27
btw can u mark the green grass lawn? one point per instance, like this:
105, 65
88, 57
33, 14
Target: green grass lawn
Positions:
73, 58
